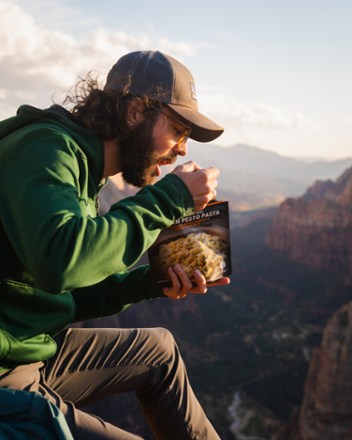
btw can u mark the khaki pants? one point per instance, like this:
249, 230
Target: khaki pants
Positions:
91, 364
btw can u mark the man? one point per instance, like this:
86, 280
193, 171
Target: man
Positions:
61, 262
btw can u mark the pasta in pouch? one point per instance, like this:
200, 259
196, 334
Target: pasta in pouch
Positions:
198, 241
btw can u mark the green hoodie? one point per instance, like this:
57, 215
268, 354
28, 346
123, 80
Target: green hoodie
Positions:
60, 261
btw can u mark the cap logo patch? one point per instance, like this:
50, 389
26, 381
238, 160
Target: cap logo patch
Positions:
193, 92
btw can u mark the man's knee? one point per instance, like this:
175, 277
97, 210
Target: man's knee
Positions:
165, 344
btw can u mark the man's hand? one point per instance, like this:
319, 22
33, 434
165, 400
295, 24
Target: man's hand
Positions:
182, 285
201, 182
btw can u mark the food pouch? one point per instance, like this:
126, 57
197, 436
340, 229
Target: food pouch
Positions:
198, 241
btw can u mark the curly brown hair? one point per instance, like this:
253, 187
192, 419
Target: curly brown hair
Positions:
103, 110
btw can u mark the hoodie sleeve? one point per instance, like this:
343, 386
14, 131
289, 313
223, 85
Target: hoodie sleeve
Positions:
116, 294
44, 177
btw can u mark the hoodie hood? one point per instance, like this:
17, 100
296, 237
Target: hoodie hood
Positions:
58, 117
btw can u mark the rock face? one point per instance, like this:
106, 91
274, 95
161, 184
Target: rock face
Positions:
326, 412
316, 229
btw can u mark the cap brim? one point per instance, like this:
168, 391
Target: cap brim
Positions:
203, 128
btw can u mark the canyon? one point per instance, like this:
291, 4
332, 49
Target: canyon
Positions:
262, 337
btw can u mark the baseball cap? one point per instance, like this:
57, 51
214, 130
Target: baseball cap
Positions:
162, 78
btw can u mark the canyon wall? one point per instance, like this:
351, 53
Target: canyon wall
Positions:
316, 229
325, 413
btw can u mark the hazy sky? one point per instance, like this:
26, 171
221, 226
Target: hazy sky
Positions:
275, 73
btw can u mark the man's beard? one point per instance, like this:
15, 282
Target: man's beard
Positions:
137, 155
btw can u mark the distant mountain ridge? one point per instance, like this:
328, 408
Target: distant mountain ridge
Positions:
254, 160
252, 178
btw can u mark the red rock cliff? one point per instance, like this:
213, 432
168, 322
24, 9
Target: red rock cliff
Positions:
326, 412
316, 229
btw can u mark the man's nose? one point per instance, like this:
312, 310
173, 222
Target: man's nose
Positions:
181, 150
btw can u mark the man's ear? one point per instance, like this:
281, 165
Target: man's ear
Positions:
135, 112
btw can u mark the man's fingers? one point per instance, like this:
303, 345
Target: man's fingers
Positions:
187, 167
200, 202
213, 172
201, 182
181, 284
221, 282
201, 283
185, 281
172, 292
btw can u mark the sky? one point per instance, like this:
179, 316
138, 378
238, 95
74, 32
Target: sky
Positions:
276, 74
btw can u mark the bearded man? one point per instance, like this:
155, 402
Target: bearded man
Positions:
62, 262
